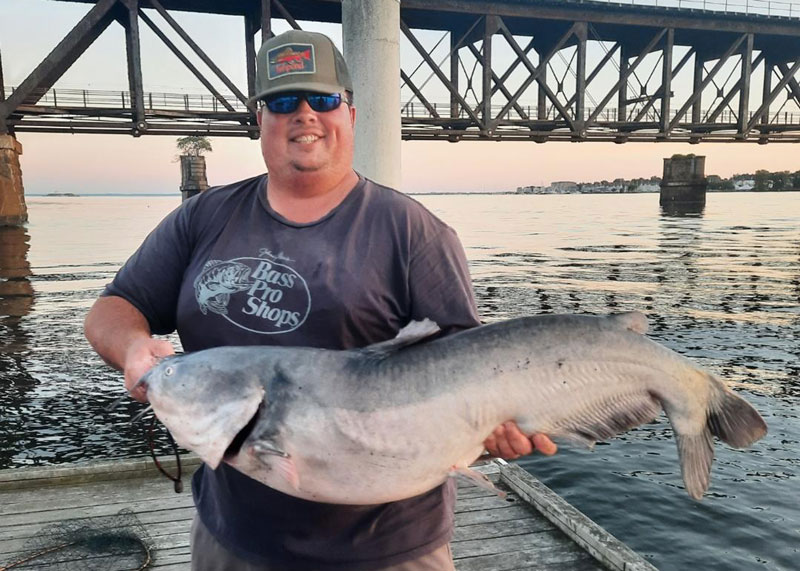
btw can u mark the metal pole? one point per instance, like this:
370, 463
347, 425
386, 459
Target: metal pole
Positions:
454, 73
486, 82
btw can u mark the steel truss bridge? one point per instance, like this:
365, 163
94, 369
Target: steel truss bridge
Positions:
541, 70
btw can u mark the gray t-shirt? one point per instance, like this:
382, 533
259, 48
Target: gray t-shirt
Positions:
226, 269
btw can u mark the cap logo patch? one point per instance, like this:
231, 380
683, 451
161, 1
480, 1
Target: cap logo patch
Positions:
289, 59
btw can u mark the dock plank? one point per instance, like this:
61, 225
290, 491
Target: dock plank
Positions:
492, 533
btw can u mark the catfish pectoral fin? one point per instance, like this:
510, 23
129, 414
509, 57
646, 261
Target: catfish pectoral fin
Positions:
265, 448
279, 461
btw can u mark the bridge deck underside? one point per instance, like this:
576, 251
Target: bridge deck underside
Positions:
472, 69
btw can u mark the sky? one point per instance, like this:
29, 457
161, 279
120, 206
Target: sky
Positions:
122, 164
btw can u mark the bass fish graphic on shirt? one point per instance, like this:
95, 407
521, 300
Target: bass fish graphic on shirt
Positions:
218, 280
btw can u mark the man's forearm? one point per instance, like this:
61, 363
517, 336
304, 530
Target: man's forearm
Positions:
112, 326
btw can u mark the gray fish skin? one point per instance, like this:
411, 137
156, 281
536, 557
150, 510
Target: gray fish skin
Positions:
390, 422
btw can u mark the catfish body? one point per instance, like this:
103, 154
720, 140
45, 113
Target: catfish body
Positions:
395, 419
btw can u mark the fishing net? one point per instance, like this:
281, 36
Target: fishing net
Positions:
106, 543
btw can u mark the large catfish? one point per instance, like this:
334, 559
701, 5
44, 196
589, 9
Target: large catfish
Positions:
395, 419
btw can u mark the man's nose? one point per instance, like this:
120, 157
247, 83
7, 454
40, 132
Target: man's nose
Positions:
304, 112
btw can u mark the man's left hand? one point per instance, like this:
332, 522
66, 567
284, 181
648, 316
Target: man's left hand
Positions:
508, 442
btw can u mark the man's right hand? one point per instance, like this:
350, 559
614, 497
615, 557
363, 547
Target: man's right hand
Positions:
121, 336
140, 357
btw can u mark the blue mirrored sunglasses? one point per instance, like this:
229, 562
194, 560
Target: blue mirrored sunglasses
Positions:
289, 102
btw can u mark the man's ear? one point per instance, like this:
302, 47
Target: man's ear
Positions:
259, 111
352, 115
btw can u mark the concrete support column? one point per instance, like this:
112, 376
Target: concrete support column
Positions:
13, 211
683, 186
193, 176
371, 33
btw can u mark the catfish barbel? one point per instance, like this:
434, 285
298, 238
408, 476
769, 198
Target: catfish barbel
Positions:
395, 419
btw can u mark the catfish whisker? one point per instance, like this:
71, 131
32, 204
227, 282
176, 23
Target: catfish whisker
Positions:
116, 403
141, 413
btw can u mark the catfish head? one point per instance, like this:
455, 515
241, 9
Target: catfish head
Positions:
205, 400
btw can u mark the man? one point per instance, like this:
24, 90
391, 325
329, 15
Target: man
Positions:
311, 254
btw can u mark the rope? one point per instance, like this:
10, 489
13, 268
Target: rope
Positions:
176, 480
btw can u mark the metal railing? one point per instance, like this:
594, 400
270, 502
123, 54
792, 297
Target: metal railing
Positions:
780, 8
416, 110
108, 99
62, 101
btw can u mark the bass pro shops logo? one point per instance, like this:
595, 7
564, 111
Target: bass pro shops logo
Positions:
289, 59
261, 296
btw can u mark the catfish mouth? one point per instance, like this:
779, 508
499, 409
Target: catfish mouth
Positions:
235, 446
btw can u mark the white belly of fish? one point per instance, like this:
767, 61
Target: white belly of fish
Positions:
348, 457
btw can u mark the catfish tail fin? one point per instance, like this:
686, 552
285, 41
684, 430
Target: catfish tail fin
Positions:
734, 420
731, 419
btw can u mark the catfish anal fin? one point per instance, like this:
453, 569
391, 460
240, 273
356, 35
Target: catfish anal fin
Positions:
476, 479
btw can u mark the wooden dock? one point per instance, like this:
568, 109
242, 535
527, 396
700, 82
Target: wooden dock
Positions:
532, 528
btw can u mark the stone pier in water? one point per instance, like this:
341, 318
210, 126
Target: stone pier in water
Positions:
13, 211
683, 186
193, 175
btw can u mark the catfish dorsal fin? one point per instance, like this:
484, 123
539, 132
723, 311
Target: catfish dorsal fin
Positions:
632, 320
412, 333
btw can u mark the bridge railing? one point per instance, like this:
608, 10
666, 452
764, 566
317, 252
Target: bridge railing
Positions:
781, 8
416, 110
63, 101
109, 99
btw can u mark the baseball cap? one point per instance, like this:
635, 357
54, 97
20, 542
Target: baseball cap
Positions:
298, 60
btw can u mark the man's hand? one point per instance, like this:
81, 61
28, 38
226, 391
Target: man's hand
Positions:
509, 443
140, 357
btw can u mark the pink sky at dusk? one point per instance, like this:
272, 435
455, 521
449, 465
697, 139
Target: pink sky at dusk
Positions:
117, 164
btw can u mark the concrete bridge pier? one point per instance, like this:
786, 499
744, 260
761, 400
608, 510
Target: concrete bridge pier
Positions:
13, 211
683, 186
371, 32
193, 176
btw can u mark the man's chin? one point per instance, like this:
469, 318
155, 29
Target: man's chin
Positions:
305, 167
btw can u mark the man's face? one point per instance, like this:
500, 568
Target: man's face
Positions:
308, 141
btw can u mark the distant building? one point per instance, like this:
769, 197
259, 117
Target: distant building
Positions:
746, 184
564, 186
648, 187
531, 189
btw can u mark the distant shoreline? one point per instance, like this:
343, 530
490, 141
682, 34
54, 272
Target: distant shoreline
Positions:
437, 193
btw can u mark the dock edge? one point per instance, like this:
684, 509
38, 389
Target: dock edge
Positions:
598, 542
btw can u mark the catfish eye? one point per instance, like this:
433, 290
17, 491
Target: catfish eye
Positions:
168, 371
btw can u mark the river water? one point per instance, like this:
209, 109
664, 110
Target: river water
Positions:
721, 287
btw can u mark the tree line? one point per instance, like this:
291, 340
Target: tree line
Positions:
763, 179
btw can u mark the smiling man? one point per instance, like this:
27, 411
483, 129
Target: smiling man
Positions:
309, 254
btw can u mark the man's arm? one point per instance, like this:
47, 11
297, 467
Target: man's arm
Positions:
121, 336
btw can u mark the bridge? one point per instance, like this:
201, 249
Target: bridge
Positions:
539, 70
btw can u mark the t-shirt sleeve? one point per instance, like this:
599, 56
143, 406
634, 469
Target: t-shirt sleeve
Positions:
440, 285
151, 278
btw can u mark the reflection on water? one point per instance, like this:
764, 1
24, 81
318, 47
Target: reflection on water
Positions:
16, 301
722, 288
54, 389
683, 209
16, 291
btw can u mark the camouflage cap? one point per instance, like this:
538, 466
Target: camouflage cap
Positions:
298, 60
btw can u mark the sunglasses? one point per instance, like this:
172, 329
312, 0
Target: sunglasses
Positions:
289, 102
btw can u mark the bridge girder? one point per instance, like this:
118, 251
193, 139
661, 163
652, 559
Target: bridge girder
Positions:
570, 62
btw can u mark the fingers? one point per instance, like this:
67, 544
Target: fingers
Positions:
140, 358
544, 445
508, 441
